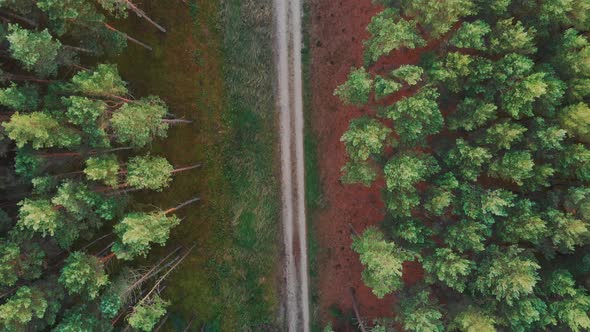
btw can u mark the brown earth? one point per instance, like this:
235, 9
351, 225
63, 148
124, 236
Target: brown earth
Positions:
338, 29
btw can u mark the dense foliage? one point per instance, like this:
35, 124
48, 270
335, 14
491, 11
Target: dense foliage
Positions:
483, 147
77, 141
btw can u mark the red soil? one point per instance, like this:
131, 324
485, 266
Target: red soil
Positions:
338, 29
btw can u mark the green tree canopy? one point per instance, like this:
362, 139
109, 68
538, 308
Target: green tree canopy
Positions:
18, 261
137, 232
36, 51
364, 138
25, 305
41, 130
390, 32
149, 172
83, 274
146, 315
419, 313
356, 90
382, 260
139, 123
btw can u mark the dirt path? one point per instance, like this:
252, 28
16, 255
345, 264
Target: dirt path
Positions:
290, 100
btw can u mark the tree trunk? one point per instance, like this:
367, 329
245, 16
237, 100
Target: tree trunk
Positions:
107, 257
185, 168
196, 199
95, 241
159, 281
20, 18
122, 98
175, 121
79, 49
190, 323
356, 310
162, 323
12, 77
353, 231
141, 13
131, 39
68, 174
149, 273
70, 154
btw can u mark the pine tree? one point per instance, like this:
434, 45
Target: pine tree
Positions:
390, 32
83, 274
383, 262
147, 314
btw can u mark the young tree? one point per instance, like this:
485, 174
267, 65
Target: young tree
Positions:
104, 168
572, 304
390, 32
473, 319
20, 98
365, 137
471, 35
515, 166
409, 74
87, 115
81, 319
22, 307
39, 216
440, 196
467, 235
356, 90
149, 172
137, 231
416, 117
509, 36
358, 172
41, 130
139, 123
382, 260
449, 268
507, 274
453, 70
566, 231
418, 313
471, 114
524, 223
402, 173
438, 17
36, 51
385, 87
18, 261
504, 135
467, 161
147, 314
576, 120
83, 274
103, 81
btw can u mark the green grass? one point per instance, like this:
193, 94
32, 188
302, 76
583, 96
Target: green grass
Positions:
249, 163
313, 194
214, 66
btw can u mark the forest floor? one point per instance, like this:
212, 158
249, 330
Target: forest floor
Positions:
214, 66
338, 29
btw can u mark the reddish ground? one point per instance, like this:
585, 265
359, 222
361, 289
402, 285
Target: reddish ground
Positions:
337, 30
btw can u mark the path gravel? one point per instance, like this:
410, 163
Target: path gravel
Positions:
290, 104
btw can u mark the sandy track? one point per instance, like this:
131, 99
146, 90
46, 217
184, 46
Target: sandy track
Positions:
290, 104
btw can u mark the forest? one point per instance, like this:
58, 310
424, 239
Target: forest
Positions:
287, 165
480, 149
76, 142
